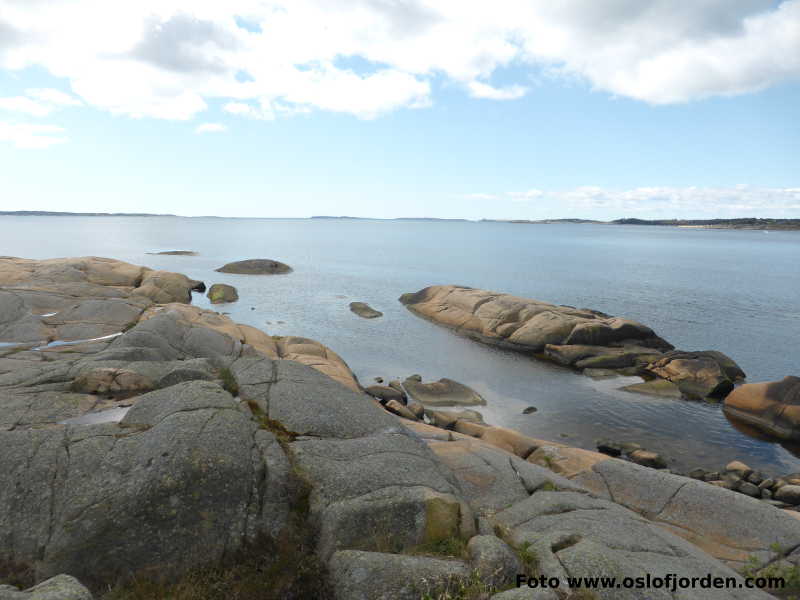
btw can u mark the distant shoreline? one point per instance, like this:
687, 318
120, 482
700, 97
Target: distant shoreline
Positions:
751, 223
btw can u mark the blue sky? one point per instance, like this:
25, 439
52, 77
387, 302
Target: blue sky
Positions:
382, 108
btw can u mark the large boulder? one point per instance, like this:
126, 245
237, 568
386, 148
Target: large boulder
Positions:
164, 287
68, 299
186, 477
521, 323
444, 392
60, 587
255, 266
358, 575
578, 338
698, 375
220, 293
773, 407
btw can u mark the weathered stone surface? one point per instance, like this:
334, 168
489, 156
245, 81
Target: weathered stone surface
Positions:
220, 293
362, 309
521, 323
647, 458
380, 576
565, 460
580, 338
573, 534
494, 562
308, 402
385, 487
113, 382
447, 419
728, 525
164, 287
492, 479
79, 298
773, 407
60, 587
789, 494
444, 392
400, 410
417, 409
698, 375
385, 393
256, 266
175, 484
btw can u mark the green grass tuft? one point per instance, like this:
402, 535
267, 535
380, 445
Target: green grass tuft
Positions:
229, 381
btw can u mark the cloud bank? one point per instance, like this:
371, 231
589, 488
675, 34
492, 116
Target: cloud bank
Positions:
654, 202
168, 59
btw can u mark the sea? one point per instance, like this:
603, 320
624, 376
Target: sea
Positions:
736, 291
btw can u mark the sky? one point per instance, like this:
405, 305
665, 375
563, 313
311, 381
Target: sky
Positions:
510, 109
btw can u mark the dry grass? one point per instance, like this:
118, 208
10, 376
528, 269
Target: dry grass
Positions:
283, 569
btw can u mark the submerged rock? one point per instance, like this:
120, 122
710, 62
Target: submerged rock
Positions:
655, 387
256, 266
220, 293
772, 407
363, 309
442, 393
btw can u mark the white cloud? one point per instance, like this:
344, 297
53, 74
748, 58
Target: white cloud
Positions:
666, 202
168, 58
483, 90
38, 102
27, 135
53, 97
246, 110
526, 196
211, 128
25, 105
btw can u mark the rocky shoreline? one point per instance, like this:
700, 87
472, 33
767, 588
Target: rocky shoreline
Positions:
231, 439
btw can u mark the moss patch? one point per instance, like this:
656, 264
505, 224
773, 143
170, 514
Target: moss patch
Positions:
452, 547
229, 381
442, 519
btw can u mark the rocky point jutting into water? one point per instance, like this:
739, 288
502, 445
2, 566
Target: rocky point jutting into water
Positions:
223, 438
579, 338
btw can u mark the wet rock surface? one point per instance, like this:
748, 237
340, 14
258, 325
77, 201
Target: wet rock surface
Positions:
256, 266
362, 309
220, 293
772, 407
444, 392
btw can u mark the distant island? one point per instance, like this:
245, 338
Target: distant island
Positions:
742, 223
379, 219
49, 213
746, 223
543, 221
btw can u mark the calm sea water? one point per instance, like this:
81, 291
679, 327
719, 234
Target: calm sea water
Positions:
734, 291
